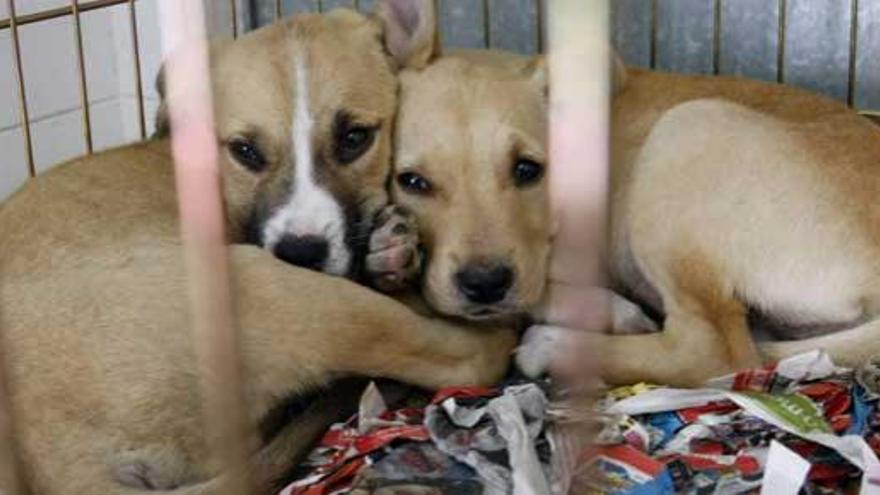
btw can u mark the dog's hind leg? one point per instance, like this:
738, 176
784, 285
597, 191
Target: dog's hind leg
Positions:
161, 471
705, 334
691, 348
79, 458
851, 348
298, 330
275, 463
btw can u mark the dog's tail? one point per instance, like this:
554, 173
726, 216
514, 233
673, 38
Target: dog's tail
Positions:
851, 348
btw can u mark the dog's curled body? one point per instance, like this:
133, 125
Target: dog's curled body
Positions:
94, 310
738, 203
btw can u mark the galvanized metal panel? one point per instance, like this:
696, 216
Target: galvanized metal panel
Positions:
749, 39
685, 35
262, 12
817, 45
462, 24
816, 51
542, 25
631, 31
328, 5
245, 15
366, 5
290, 7
867, 81
513, 25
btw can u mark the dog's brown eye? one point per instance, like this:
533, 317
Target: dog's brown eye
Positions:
414, 183
248, 155
527, 172
352, 142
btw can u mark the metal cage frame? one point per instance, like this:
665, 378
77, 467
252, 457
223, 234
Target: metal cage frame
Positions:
77, 7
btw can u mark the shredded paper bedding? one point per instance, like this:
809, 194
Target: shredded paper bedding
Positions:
802, 426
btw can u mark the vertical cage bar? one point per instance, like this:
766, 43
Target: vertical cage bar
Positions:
540, 19
580, 94
136, 60
22, 95
233, 6
278, 12
853, 51
10, 471
83, 87
195, 153
655, 23
579, 118
867, 78
512, 25
749, 38
487, 34
780, 53
716, 38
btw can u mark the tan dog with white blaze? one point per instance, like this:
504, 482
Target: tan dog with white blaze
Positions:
95, 320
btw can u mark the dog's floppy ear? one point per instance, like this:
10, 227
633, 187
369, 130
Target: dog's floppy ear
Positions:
163, 124
410, 28
163, 121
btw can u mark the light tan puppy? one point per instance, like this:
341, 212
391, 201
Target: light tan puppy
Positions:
472, 173
474, 177
755, 212
94, 319
752, 213
733, 217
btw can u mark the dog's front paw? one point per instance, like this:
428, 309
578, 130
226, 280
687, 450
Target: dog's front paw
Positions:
394, 260
498, 348
539, 345
570, 356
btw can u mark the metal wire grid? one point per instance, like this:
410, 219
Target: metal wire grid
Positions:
77, 7
782, 6
74, 10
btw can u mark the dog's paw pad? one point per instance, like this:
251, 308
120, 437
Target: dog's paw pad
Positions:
395, 258
394, 226
538, 347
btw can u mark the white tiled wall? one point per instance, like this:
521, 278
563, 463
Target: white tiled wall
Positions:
52, 84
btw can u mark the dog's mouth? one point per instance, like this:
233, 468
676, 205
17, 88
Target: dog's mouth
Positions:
491, 312
482, 313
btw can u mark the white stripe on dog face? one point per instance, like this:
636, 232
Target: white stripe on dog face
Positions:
310, 209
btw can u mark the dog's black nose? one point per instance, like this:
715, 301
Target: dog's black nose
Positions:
306, 251
484, 283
